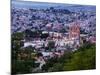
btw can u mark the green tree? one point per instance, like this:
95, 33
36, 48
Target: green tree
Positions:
51, 44
82, 59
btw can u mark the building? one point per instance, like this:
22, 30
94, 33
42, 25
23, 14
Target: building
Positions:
74, 33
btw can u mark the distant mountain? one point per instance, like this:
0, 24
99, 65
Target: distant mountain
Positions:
82, 8
44, 5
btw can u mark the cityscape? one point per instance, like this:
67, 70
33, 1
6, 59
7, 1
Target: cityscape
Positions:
52, 37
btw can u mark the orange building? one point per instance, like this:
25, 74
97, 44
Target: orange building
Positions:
74, 31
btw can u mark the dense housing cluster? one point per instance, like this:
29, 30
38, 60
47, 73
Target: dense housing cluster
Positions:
50, 32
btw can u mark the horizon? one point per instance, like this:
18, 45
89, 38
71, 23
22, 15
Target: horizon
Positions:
35, 4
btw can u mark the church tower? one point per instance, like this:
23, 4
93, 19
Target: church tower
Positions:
74, 32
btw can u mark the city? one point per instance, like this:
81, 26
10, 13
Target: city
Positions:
42, 34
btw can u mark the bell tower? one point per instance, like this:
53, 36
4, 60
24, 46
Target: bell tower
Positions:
74, 31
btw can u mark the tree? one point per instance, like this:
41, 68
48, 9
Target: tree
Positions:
51, 45
22, 67
82, 59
